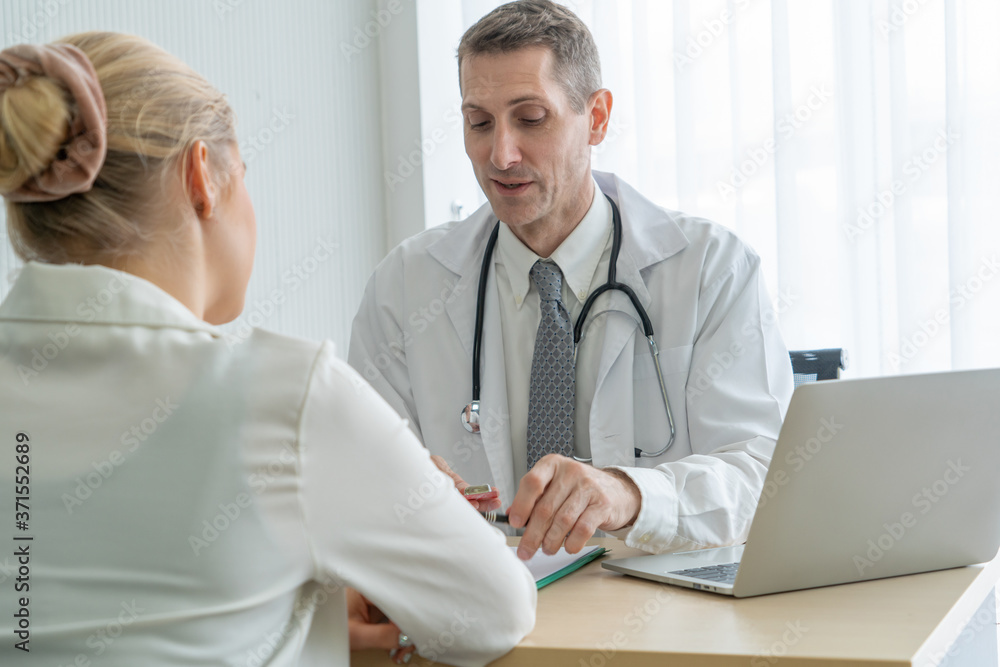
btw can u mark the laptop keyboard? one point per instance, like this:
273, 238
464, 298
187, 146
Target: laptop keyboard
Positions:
723, 573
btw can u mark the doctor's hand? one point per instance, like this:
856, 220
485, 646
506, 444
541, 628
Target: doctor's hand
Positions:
562, 499
461, 485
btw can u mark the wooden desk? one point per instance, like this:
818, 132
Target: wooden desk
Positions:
595, 617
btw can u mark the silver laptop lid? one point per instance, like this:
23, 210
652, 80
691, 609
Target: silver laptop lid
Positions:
879, 477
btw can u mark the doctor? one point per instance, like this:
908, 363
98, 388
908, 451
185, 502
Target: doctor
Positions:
533, 107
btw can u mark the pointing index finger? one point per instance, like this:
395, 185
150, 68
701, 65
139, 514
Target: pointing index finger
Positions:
532, 488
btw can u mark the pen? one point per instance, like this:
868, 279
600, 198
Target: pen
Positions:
494, 517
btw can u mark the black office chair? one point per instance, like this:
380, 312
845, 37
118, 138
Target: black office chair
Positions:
813, 365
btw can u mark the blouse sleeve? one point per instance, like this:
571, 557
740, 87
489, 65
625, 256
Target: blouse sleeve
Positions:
381, 518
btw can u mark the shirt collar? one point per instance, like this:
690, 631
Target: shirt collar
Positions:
94, 294
577, 256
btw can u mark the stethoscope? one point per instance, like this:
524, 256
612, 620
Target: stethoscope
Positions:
470, 413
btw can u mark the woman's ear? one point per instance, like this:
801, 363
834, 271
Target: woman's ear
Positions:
200, 187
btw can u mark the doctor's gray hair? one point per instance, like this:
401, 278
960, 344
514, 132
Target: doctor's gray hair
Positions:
529, 23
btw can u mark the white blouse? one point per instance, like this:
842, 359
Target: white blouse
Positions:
197, 501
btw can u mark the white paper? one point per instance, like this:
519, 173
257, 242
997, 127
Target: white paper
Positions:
542, 565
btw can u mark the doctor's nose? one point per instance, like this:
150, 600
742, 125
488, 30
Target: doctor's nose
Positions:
505, 152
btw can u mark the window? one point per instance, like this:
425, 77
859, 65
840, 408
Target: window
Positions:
852, 144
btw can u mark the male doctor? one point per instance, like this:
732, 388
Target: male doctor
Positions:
533, 106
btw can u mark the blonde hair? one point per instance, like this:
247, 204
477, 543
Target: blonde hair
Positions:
158, 107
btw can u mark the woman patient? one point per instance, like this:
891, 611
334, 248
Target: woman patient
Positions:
190, 502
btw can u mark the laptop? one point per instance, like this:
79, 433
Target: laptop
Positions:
870, 478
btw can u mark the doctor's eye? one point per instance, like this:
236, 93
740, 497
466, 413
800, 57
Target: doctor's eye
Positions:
531, 114
477, 120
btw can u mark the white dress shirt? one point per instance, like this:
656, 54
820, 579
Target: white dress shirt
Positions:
583, 259
196, 502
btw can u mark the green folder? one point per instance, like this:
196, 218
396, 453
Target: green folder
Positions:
572, 567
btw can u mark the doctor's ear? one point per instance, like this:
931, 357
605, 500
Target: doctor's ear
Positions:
199, 186
599, 112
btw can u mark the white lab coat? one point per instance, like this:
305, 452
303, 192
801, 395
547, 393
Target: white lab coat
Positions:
726, 368
194, 502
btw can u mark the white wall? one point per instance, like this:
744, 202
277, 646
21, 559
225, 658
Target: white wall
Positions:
307, 98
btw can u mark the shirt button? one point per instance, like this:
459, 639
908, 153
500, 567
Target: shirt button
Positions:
517, 300
645, 537
582, 296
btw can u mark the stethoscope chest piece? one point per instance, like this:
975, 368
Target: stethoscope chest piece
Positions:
470, 417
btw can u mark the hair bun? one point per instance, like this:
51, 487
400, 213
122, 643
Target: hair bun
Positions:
145, 107
36, 118
34, 124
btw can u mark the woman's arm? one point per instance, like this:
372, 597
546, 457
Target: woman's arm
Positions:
383, 519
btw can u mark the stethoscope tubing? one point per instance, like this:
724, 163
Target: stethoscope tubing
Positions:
470, 413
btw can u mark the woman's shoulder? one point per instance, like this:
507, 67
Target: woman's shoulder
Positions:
266, 341
308, 365
279, 367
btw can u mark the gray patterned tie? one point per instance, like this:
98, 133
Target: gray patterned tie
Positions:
552, 397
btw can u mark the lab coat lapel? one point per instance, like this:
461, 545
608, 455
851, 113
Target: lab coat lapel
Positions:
461, 250
621, 328
494, 417
611, 423
649, 236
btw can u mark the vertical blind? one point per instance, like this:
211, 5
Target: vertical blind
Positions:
307, 98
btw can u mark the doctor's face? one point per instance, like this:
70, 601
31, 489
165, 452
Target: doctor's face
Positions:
529, 148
